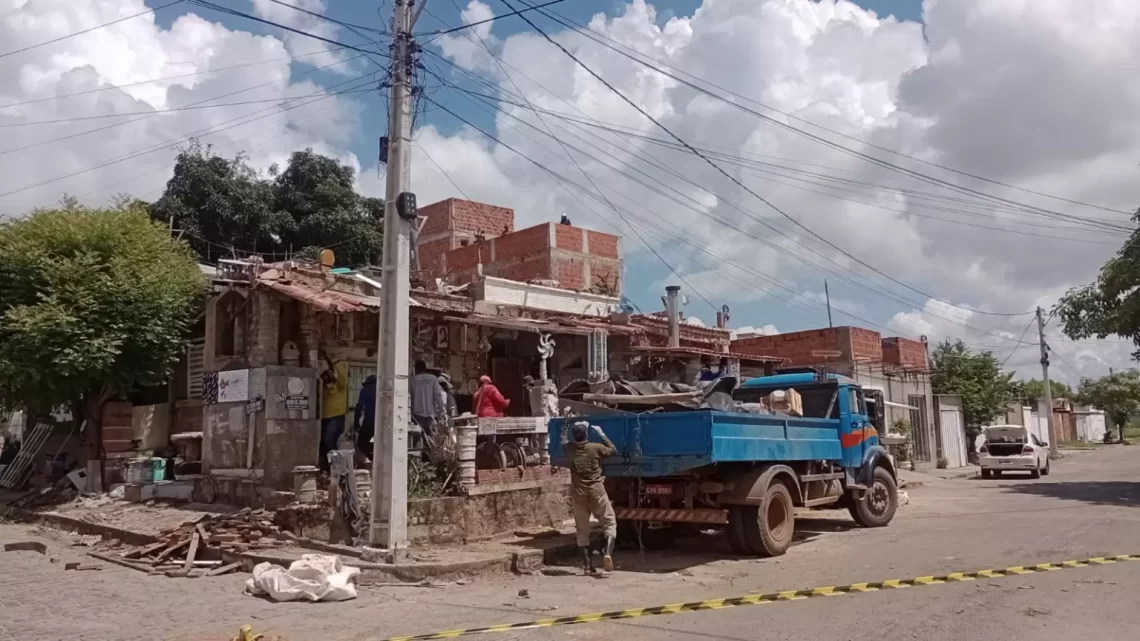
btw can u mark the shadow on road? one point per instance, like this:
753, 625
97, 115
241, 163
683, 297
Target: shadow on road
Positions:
1116, 493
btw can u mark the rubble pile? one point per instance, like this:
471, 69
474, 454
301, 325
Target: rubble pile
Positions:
197, 548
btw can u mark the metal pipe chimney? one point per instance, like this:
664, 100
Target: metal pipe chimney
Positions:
673, 311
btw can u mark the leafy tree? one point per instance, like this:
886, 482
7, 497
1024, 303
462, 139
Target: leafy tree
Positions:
1118, 394
222, 204
1110, 305
94, 303
977, 377
227, 208
1034, 389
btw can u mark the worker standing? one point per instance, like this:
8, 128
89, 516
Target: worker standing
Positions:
588, 491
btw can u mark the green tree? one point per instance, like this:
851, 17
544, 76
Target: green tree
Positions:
1110, 306
1034, 389
93, 305
223, 203
977, 377
1118, 394
317, 193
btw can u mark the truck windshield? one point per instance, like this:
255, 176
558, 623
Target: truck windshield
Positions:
817, 399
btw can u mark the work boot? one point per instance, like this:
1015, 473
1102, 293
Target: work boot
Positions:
587, 562
608, 555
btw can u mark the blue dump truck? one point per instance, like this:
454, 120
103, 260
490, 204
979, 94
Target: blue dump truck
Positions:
747, 472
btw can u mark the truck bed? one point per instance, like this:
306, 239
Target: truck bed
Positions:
671, 443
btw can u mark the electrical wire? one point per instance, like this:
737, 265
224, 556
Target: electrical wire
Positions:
581, 29
164, 78
165, 145
477, 23
152, 114
735, 180
442, 171
1020, 344
205, 4
89, 30
696, 208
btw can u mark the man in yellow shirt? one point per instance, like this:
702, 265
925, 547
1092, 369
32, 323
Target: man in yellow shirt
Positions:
334, 407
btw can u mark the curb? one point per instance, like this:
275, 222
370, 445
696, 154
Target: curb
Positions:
79, 525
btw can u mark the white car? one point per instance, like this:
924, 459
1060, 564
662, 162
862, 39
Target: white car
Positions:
1011, 448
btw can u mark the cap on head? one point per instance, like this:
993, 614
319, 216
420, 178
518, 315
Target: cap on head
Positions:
580, 431
484, 379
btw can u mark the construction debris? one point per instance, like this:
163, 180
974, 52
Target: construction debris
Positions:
196, 548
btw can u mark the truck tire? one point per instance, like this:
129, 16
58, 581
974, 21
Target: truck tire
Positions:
986, 474
734, 531
878, 504
769, 532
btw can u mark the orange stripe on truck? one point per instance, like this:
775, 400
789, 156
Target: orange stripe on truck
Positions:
856, 437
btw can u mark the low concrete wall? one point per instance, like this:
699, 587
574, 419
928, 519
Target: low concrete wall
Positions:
463, 519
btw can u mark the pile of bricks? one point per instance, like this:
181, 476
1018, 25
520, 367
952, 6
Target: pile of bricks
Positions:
196, 548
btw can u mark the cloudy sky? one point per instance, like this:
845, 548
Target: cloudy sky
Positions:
941, 163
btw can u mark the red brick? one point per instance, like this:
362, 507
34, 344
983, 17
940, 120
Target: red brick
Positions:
602, 244
568, 238
904, 352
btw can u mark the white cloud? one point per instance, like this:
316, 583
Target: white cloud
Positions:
311, 50
106, 155
468, 48
1025, 93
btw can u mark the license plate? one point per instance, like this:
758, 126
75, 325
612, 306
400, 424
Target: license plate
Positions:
659, 490
1005, 461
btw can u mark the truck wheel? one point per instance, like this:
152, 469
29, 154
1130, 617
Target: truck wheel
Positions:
877, 506
987, 474
734, 531
769, 532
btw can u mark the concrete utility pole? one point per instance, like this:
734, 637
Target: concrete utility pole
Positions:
389, 514
1045, 378
827, 295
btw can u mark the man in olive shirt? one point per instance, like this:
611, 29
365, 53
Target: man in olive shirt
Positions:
587, 489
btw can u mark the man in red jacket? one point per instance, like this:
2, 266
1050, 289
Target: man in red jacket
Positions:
488, 401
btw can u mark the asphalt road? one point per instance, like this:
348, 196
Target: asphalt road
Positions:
1088, 507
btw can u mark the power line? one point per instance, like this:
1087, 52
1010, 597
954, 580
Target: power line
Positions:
213, 129
576, 26
89, 30
1019, 342
782, 125
210, 5
695, 208
476, 24
732, 178
152, 114
174, 77
442, 171
141, 113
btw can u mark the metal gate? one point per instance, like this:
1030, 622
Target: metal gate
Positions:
951, 430
919, 429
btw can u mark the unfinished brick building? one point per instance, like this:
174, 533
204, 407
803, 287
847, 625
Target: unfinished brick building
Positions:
462, 239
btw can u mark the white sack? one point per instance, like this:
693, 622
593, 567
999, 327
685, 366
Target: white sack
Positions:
315, 577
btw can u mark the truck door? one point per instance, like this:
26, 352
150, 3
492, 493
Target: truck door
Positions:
856, 430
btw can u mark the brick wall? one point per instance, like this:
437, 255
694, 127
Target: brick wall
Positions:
455, 214
862, 344
854, 343
602, 244
904, 352
524, 242
797, 347
431, 253
569, 238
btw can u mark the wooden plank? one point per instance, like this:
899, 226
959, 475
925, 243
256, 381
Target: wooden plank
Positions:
225, 569
145, 550
117, 561
172, 549
202, 532
194, 539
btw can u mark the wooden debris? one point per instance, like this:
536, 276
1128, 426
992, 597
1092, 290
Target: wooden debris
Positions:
225, 569
194, 539
196, 548
118, 561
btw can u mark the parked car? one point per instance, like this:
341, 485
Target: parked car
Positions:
1011, 448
